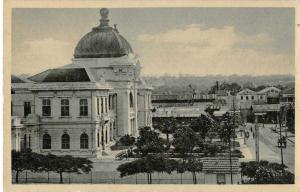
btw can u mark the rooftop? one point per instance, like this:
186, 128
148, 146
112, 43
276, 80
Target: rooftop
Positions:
62, 75
103, 41
220, 165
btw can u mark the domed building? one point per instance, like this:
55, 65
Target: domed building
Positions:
82, 108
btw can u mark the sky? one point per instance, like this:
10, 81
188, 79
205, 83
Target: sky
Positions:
195, 41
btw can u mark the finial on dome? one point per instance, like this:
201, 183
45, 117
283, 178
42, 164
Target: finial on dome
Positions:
104, 17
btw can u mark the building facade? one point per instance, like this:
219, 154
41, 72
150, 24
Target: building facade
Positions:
81, 108
221, 170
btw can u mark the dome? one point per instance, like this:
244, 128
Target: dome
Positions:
103, 41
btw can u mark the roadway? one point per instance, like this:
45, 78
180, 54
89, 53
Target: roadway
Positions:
268, 149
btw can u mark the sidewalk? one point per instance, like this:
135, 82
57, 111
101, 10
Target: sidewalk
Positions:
248, 156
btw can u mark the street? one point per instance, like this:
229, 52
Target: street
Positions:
268, 149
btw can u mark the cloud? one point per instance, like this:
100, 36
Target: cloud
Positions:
38, 55
193, 50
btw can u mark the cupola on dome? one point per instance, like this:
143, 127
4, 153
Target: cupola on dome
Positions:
103, 41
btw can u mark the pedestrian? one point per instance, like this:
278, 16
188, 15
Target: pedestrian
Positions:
253, 135
251, 129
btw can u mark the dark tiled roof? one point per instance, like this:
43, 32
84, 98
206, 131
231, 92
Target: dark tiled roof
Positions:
62, 75
15, 79
220, 165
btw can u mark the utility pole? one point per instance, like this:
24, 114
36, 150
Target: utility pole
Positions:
280, 136
256, 139
233, 104
285, 120
232, 126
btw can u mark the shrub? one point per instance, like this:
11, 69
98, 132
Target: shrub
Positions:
118, 147
127, 140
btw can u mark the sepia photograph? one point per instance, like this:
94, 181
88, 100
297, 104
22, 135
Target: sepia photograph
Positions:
152, 95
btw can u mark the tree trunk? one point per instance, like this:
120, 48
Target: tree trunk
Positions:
193, 178
17, 177
167, 136
26, 177
150, 178
60, 177
180, 178
136, 182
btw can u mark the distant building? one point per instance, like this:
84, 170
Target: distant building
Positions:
80, 109
247, 96
272, 94
288, 96
217, 170
265, 101
180, 98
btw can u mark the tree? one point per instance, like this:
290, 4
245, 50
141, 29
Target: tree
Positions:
226, 131
192, 165
166, 125
68, 164
290, 118
203, 125
251, 116
184, 141
26, 160
127, 140
149, 142
263, 172
147, 164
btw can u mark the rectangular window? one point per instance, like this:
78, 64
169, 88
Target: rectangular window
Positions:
252, 97
242, 97
109, 102
29, 142
65, 107
27, 108
83, 103
247, 98
46, 107
98, 110
221, 179
102, 111
98, 140
106, 104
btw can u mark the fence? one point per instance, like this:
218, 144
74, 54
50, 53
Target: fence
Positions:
107, 178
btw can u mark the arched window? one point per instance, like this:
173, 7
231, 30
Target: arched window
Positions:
46, 141
130, 99
65, 141
84, 141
